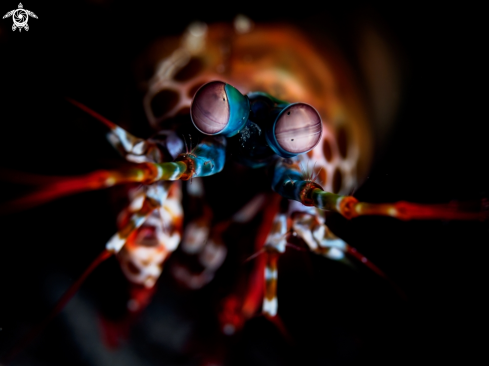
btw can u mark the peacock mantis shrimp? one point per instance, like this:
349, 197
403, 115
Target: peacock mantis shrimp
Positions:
255, 71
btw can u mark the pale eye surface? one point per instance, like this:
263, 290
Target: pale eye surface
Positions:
298, 128
210, 108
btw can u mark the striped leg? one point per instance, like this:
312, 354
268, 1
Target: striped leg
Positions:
132, 148
270, 302
205, 241
317, 236
247, 298
321, 240
143, 204
274, 246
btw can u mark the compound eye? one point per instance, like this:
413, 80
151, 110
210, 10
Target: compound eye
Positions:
298, 128
219, 108
210, 108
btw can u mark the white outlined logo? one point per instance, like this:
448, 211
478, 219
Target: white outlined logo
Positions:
20, 17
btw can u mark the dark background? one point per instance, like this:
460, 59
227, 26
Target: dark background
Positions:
438, 152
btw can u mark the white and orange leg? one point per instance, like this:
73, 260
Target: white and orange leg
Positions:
204, 240
247, 299
195, 240
214, 251
312, 230
274, 246
144, 201
309, 225
132, 148
148, 245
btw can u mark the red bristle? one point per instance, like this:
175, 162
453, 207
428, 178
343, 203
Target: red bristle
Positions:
61, 188
361, 258
94, 114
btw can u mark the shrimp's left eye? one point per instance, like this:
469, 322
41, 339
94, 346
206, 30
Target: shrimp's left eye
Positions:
219, 108
296, 130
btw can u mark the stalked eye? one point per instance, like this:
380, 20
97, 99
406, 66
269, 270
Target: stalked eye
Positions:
219, 108
297, 129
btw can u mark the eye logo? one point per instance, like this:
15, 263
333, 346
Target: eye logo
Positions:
20, 17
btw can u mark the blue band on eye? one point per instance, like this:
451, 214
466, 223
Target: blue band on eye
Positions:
239, 110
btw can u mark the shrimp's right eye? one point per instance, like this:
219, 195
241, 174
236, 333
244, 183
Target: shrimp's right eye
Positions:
296, 130
219, 108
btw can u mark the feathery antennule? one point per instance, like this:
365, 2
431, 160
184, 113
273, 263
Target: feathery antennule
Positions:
187, 151
312, 177
308, 173
315, 178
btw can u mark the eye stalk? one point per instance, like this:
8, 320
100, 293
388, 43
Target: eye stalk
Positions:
296, 130
289, 129
219, 108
